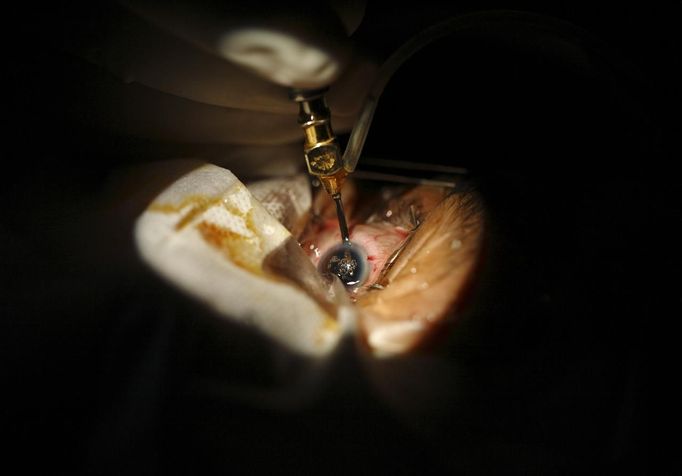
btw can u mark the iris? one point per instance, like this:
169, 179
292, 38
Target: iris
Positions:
348, 262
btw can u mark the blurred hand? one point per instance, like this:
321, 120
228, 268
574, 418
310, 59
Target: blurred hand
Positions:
213, 72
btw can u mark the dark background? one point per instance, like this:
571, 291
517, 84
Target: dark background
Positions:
565, 363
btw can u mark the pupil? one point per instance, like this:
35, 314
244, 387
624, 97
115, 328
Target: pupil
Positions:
346, 261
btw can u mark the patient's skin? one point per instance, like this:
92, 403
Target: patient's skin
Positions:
422, 245
409, 295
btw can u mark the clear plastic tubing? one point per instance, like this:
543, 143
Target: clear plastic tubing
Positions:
358, 135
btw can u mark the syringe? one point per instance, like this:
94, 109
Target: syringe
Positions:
324, 161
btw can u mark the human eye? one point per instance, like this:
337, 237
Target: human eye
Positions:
250, 253
422, 244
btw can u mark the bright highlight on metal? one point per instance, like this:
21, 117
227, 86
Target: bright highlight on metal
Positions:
324, 161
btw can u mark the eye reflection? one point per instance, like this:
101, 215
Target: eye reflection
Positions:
348, 262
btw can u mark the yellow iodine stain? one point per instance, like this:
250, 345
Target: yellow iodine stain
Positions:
243, 249
199, 204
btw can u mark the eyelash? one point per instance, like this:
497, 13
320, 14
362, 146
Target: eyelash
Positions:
390, 261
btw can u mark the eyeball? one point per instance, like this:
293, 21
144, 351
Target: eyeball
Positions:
348, 262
